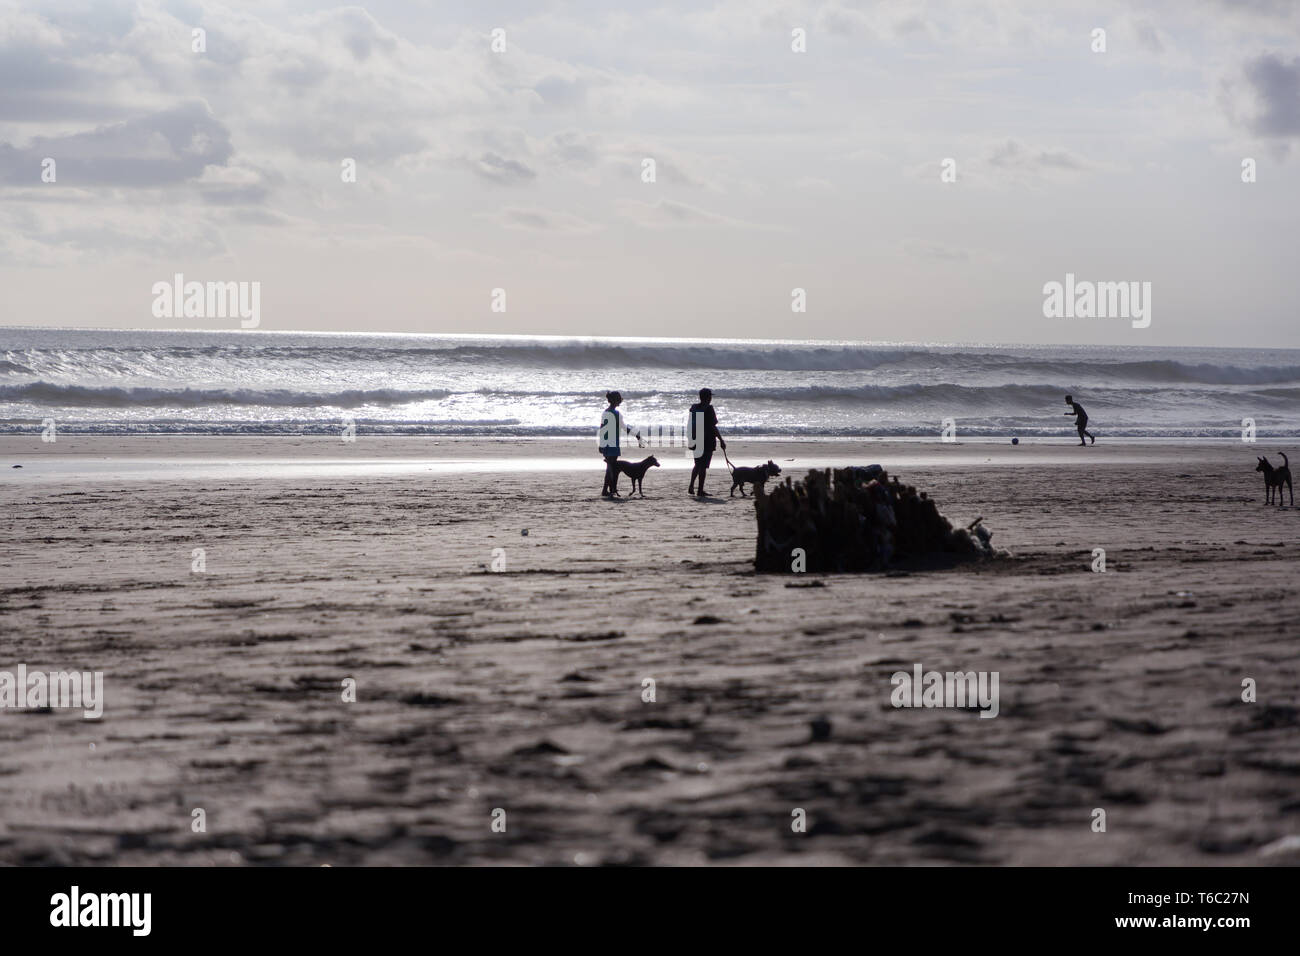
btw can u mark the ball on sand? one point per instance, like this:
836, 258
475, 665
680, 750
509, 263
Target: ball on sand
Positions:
1015, 441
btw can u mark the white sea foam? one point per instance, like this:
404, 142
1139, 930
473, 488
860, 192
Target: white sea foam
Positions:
108, 381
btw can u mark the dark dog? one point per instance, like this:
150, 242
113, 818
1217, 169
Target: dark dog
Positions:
636, 471
1274, 477
863, 475
740, 477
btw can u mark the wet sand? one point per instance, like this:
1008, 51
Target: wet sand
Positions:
522, 690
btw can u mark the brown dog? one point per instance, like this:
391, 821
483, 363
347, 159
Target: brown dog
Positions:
636, 471
1274, 477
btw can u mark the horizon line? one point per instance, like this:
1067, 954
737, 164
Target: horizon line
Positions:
686, 340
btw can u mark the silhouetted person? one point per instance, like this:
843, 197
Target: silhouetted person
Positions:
609, 442
1081, 421
703, 431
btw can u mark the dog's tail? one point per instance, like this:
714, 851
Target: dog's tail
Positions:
1286, 463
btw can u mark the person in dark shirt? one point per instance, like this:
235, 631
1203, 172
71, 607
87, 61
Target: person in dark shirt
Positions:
1081, 421
703, 431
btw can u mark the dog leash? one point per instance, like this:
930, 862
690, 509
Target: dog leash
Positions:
729, 464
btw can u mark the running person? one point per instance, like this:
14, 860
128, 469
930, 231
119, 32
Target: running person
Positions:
1081, 420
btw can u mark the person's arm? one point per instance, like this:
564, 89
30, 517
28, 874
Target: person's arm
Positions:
717, 434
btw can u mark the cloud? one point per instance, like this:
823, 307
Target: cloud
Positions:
672, 166
498, 169
666, 213
235, 185
45, 74
360, 34
1285, 9
544, 220
1013, 159
574, 150
1147, 36
1275, 85
934, 251
461, 151
840, 22
1010, 163
171, 146
559, 92
62, 234
1014, 155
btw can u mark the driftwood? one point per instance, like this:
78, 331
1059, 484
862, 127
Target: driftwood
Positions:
856, 519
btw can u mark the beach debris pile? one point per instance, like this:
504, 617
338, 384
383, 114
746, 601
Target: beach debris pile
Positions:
857, 519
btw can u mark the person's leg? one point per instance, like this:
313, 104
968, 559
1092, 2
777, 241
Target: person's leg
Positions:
611, 479
1081, 433
695, 472
703, 464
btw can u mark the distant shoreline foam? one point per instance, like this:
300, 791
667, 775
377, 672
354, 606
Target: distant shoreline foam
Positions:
101, 381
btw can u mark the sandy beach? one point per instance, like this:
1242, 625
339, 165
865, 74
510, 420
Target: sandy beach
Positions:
522, 690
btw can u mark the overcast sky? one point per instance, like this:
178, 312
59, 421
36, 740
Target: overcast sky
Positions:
775, 169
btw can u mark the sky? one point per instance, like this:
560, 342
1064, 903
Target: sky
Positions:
523, 168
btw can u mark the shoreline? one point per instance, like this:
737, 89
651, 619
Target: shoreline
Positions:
85, 458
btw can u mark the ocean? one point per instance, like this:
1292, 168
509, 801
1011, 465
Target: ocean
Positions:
263, 382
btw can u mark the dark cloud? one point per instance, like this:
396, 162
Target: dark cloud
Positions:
361, 34
1059, 159
1013, 155
575, 149
41, 85
1147, 37
937, 251
528, 218
910, 25
497, 169
100, 24
558, 93
1276, 85
160, 149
